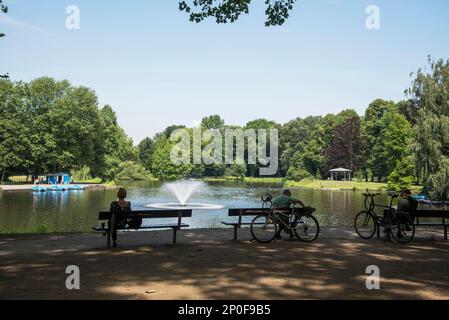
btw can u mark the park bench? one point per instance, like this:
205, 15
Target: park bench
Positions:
433, 213
109, 218
240, 213
430, 213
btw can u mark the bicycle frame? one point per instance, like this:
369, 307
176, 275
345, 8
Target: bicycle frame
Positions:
391, 216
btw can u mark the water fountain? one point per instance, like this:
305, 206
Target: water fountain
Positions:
183, 190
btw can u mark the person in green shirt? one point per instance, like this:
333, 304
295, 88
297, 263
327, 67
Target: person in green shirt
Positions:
284, 202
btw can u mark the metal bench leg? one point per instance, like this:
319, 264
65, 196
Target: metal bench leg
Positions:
378, 231
174, 235
445, 232
235, 233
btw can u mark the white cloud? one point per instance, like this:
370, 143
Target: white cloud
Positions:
13, 23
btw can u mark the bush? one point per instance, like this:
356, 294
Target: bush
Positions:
298, 174
236, 170
402, 175
132, 171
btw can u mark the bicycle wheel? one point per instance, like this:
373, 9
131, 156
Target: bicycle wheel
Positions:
365, 225
306, 228
263, 228
403, 228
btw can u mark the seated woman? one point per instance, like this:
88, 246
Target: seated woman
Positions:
120, 206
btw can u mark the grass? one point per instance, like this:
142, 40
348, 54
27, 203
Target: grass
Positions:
246, 179
313, 184
93, 181
345, 185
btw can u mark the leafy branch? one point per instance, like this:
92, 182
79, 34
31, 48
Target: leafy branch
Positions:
3, 9
225, 11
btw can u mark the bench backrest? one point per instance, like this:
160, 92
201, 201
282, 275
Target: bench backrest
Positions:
238, 212
431, 214
148, 214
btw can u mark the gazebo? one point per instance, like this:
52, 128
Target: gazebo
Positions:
341, 174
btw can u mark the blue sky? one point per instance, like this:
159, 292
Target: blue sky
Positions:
155, 68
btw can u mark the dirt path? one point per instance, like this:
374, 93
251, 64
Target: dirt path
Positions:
207, 265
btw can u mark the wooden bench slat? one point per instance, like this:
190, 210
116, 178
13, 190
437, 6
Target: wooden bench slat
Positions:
431, 214
185, 213
236, 212
153, 226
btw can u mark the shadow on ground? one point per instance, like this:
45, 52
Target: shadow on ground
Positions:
207, 265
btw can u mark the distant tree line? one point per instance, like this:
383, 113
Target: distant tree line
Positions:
49, 125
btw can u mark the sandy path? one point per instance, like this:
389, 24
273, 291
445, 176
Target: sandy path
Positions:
206, 264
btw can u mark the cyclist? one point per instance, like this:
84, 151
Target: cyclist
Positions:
284, 202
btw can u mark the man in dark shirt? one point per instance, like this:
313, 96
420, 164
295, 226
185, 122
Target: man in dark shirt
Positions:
284, 202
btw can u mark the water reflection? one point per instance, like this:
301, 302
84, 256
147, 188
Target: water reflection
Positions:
77, 211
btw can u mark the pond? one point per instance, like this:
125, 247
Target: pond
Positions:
77, 211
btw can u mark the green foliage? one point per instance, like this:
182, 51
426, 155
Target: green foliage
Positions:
344, 148
212, 122
429, 108
236, 170
439, 181
81, 174
130, 170
161, 165
48, 125
298, 174
402, 175
146, 149
225, 11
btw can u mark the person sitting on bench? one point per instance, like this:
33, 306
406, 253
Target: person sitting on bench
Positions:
406, 202
284, 202
119, 207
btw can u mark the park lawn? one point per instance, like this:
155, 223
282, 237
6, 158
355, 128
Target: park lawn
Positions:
246, 179
312, 184
346, 185
18, 179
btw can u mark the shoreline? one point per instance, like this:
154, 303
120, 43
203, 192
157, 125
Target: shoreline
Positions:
28, 187
327, 185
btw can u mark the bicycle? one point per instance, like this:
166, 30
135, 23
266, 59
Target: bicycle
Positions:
397, 224
301, 223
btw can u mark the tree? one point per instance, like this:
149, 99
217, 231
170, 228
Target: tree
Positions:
3, 9
146, 149
344, 150
259, 124
117, 146
48, 125
313, 156
212, 122
402, 175
161, 165
397, 140
439, 181
129, 170
225, 11
294, 136
372, 140
429, 100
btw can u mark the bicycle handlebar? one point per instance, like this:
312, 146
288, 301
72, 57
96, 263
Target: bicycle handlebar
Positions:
369, 194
